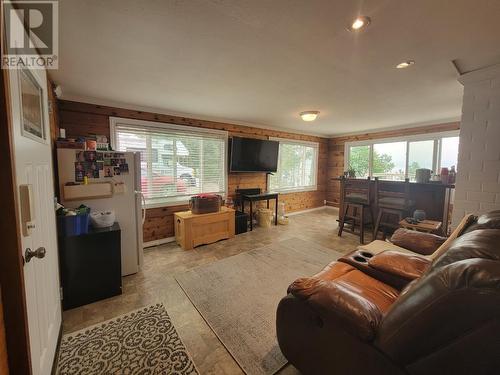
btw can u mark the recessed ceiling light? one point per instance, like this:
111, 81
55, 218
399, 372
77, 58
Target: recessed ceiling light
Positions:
359, 23
309, 115
405, 64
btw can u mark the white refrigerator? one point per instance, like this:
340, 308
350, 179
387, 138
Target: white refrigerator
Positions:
122, 170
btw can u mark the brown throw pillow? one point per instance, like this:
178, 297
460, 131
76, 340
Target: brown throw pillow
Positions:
418, 242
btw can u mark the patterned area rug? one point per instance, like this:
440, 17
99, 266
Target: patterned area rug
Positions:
141, 342
238, 297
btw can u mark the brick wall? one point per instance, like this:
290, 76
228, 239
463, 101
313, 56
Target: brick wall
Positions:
478, 178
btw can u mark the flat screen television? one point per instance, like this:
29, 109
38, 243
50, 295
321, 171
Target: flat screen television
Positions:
253, 155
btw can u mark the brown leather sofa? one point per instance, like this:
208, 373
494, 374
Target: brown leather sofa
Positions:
442, 316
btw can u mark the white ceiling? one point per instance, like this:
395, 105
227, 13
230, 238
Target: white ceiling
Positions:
264, 61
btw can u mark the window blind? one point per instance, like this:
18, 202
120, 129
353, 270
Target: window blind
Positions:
297, 167
176, 162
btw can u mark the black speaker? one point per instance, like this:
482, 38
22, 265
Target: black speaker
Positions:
241, 224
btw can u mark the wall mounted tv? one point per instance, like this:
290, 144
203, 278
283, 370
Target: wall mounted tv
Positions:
253, 155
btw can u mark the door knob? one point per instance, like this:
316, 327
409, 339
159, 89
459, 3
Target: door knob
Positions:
38, 253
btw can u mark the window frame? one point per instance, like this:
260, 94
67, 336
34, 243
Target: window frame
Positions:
166, 202
436, 155
315, 146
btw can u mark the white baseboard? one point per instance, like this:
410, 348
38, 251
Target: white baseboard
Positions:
159, 242
335, 209
309, 210
163, 241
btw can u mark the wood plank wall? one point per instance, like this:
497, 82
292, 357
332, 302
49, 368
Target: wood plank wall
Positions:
336, 152
85, 119
4, 366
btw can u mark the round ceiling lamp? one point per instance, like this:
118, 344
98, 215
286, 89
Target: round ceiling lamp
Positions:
359, 23
309, 115
405, 64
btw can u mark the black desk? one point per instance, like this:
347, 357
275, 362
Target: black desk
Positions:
260, 197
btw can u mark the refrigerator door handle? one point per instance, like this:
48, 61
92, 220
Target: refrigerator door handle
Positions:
143, 209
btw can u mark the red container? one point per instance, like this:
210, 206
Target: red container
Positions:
205, 203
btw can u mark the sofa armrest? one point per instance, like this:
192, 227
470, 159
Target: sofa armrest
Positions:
332, 301
418, 242
403, 265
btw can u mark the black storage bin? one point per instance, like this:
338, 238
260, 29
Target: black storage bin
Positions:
241, 224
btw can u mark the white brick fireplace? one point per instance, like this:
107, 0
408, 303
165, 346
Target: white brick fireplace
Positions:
478, 178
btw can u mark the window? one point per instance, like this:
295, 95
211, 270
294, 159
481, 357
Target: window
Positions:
420, 155
297, 167
389, 161
449, 152
176, 161
359, 160
397, 159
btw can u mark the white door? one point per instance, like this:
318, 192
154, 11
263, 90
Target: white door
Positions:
33, 161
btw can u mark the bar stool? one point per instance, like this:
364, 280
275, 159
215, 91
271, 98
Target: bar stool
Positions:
392, 199
355, 195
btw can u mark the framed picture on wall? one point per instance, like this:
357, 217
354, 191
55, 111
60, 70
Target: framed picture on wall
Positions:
32, 119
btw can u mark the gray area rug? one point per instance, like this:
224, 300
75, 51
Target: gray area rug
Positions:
141, 342
238, 297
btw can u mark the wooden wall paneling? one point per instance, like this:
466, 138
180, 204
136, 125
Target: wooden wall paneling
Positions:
72, 118
85, 119
335, 163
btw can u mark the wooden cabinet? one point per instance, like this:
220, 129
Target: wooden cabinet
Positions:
193, 230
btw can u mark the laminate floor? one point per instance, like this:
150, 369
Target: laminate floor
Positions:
156, 283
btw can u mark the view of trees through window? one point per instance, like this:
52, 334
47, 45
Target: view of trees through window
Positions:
297, 167
388, 160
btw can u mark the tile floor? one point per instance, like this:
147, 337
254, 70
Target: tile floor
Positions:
156, 283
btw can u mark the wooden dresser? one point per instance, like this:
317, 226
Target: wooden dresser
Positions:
192, 230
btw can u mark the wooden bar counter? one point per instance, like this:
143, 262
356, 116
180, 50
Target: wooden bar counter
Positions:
433, 198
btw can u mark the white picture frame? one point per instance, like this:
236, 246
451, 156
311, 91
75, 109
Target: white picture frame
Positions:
32, 113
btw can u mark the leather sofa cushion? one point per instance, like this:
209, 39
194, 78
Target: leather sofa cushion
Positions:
407, 266
418, 242
440, 309
491, 220
466, 221
343, 293
481, 243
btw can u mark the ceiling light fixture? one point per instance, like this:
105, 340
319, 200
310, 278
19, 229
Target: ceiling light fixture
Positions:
405, 64
359, 23
309, 115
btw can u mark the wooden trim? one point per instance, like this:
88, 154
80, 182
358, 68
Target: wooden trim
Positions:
11, 266
435, 128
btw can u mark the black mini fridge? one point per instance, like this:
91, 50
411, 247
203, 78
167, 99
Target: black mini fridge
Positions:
90, 266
